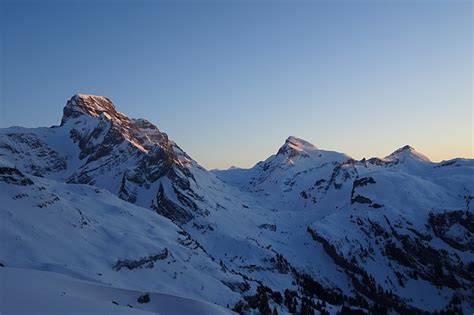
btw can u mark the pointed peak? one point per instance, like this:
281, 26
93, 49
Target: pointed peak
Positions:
91, 105
405, 148
295, 144
299, 143
407, 151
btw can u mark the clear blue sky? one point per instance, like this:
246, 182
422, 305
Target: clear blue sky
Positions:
230, 80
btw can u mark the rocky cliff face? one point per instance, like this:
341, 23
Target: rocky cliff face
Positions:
130, 157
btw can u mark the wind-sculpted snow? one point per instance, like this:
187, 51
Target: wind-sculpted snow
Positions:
112, 200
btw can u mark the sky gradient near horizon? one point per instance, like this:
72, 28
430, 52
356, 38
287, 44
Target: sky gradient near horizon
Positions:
229, 81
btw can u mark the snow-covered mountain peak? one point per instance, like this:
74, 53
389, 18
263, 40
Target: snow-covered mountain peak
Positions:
405, 148
140, 133
91, 105
405, 152
294, 145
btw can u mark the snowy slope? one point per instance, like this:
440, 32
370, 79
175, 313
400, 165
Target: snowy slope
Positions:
90, 234
25, 291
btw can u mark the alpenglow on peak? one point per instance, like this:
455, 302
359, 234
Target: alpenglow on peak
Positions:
293, 143
92, 105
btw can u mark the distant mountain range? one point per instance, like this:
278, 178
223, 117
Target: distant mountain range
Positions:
112, 216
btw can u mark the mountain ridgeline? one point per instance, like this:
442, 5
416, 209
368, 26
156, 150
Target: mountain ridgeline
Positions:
111, 200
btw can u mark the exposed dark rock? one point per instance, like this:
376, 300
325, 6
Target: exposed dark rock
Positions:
13, 176
169, 209
447, 163
357, 198
124, 192
203, 227
441, 223
364, 181
147, 262
319, 182
240, 287
268, 226
143, 299
304, 195
281, 264
341, 174
378, 162
360, 199
376, 206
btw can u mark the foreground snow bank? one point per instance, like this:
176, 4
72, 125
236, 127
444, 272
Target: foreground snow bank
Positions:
26, 291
